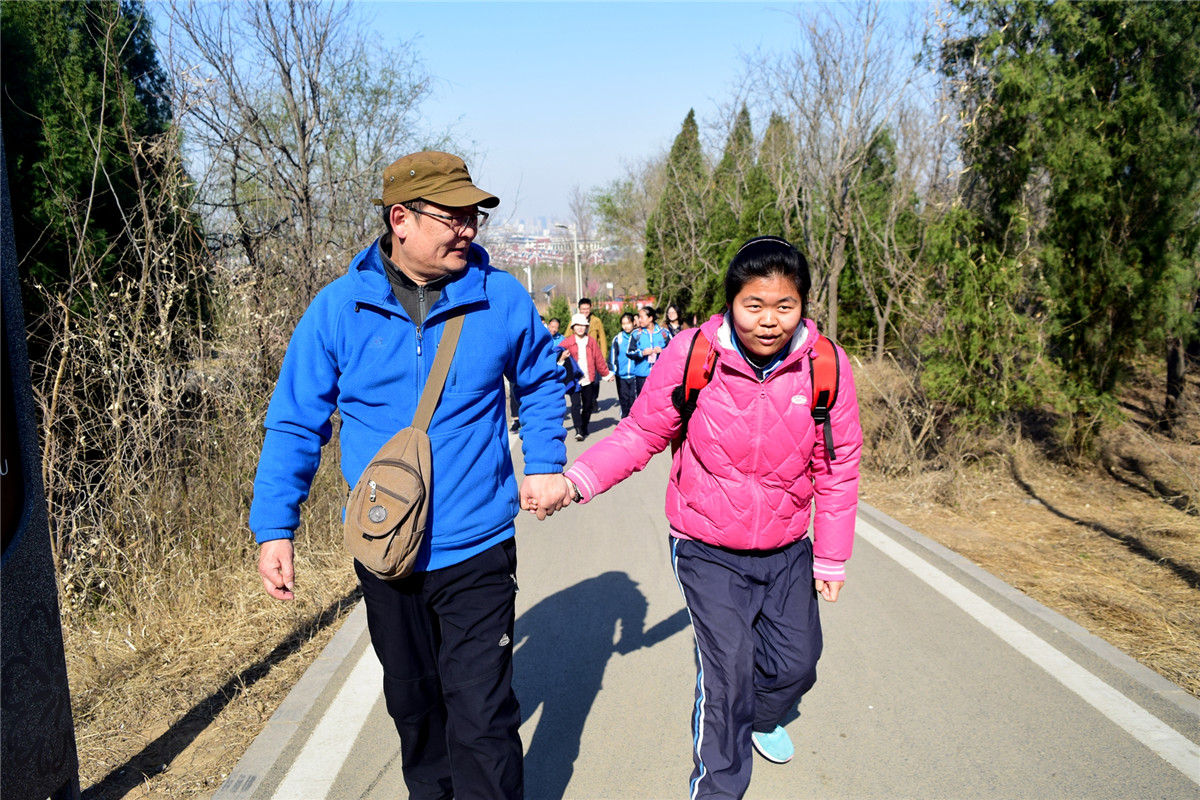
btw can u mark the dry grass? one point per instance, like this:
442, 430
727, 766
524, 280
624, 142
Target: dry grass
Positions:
166, 699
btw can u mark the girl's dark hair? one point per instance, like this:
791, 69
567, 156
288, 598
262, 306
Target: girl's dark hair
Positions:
627, 314
651, 312
766, 257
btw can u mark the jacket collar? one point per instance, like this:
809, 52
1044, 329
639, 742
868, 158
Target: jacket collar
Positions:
719, 329
371, 285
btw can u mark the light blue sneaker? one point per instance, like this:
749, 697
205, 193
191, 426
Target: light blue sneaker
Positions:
775, 746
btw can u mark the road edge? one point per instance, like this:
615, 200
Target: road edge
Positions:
1118, 659
265, 750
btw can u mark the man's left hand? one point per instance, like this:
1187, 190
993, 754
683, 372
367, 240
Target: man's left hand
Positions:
545, 494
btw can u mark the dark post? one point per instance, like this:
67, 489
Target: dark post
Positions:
37, 735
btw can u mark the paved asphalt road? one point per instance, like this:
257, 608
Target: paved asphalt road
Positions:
937, 681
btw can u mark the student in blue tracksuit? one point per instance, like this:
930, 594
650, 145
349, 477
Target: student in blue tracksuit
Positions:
364, 348
648, 341
553, 325
621, 365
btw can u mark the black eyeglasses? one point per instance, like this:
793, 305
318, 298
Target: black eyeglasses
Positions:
457, 222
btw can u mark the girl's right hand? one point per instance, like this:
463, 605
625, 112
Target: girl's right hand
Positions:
828, 589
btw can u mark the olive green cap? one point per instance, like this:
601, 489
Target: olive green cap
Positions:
440, 178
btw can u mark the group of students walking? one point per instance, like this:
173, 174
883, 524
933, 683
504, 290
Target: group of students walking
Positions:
633, 352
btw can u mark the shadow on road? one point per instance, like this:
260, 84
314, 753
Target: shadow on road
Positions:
564, 644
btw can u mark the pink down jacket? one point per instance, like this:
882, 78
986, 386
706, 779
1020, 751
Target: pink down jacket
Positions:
751, 468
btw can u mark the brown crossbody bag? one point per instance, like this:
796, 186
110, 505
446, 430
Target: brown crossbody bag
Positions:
387, 510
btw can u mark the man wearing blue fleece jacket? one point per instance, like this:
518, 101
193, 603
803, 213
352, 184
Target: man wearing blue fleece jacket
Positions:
364, 348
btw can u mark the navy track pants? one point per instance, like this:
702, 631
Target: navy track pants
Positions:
758, 638
444, 639
627, 392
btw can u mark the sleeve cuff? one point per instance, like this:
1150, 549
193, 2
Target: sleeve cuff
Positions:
584, 480
272, 534
827, 569
545, 468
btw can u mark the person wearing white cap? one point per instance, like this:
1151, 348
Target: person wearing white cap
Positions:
587, 353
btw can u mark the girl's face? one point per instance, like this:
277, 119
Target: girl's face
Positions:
766, 312
580, 330
627, 324
672, 315
643, 319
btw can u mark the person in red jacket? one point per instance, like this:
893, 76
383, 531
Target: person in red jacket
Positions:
587, 354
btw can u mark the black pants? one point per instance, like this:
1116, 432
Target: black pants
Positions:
583, 404
444, 639
627, 392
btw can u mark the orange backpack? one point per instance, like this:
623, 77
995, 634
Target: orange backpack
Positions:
698, 369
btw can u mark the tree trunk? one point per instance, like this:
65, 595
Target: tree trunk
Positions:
881, 329
1176, 382
836, 262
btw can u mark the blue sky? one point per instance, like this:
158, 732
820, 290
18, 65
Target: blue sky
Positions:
557, 94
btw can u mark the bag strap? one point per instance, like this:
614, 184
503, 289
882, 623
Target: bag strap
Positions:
697, 372
437, 374
698, 369
823, 363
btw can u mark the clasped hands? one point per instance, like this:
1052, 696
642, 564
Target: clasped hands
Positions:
544, 494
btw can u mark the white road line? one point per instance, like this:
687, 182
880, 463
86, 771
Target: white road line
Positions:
314, 770
1176, 749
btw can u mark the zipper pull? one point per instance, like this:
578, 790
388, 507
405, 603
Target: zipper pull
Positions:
420, 338
372, 485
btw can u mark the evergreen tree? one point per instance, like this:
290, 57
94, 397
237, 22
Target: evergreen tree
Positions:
773, 203
55, 101
113, 269
1085, 141
675, 229
884, 241
83, 102
726, 201
986, 358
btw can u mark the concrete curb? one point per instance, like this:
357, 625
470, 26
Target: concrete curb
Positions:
266, 748
1137, 672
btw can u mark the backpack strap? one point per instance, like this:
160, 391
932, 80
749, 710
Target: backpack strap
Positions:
698, 370
825, 369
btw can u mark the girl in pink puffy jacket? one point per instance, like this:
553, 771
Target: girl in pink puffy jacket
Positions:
745, 483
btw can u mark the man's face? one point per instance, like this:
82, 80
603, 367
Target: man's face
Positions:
553, 326
429, 246
585, 309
